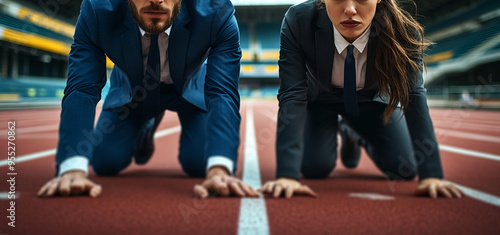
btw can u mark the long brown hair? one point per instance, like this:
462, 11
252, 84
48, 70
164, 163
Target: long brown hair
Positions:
400, 44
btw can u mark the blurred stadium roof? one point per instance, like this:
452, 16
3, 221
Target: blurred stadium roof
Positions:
68, 10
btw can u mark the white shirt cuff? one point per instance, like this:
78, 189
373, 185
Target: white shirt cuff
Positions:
79, 163
219, 160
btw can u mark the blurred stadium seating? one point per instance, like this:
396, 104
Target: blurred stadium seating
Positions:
33, 53
466, 56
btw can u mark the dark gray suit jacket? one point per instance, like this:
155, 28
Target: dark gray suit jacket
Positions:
306, 61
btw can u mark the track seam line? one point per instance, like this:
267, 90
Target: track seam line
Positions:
478, 195
470, 153
50, 152
467, 135
32, 129
253, 215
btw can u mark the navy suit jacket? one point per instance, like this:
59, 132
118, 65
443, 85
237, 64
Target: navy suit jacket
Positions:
204, 58
306, 63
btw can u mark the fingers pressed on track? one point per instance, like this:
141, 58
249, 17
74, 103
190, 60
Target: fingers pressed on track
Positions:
442, 189
433, 191
234, 188
95, 191
200, 191
277, 191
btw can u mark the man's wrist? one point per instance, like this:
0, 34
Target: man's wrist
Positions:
75, 173
76, 163
220, 161
217, 170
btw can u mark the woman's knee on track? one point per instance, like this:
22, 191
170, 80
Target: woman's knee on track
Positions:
317, 171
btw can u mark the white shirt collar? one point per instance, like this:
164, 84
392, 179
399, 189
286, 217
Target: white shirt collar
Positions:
360, 43
166, 31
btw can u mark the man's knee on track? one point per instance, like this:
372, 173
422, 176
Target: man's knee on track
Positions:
193, 168
192, 161
108, 169
107, 165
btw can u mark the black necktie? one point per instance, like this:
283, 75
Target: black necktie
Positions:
151, 82
350, 97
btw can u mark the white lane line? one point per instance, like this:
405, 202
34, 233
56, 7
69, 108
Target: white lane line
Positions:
371, 196
168, 131
30, 157
7, 195
478, 195
467, 125
469, 152
253, 215
467, 135
32, 129
38, 136
50, 152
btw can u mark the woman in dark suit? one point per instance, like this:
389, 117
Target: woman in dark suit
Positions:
361, 60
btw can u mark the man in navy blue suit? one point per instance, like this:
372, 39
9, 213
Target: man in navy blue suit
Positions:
168, 54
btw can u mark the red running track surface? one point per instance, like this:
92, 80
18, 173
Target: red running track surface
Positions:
157, 198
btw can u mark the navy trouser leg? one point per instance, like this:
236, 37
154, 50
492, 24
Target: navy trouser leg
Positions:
117, 141
192, 149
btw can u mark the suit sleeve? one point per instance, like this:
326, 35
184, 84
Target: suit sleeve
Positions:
292, 97
221, 85
86, 78
421, 129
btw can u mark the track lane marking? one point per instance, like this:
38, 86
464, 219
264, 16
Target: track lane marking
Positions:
467, 135
459, 125
23, 130
29, 157
468, 126
470, 153
50, 152
5, 195
372, 196
253, 215
478, 195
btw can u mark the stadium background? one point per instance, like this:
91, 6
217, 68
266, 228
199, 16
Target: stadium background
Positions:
463, 66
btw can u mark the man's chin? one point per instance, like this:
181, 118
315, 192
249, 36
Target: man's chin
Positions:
155, 28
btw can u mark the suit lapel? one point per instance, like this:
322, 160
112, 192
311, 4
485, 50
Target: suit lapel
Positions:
324, 49
132, 51
177, 48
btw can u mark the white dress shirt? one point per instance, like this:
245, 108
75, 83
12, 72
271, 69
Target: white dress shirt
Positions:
81, 163
360, 55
